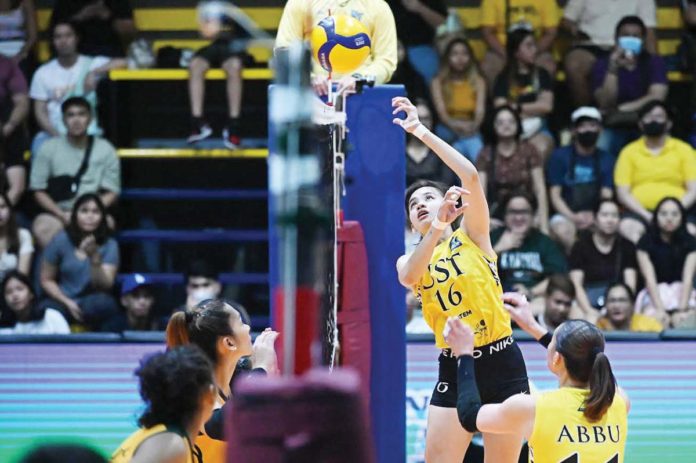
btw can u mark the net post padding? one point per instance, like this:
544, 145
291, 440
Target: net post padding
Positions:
311, 418
354, 304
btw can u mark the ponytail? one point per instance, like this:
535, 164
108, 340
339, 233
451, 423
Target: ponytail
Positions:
177, 330
602, 388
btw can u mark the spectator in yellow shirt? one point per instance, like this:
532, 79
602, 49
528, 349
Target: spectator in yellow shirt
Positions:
619, 314
300, 17
540, 16
652, 168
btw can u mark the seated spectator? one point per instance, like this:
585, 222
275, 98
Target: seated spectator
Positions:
421, 163
137, 301
30, 317
652, 168
619, 312
106, 26
667, 262
528, 88
406, 75
579, 176
560, 294
14, 109
416, 24
624, 81
526, 256
539, 16
459, 95
202, 283
62, 158
79, 266
600, 258
16, 244
18, 32
591, 25
510, 165
69, 74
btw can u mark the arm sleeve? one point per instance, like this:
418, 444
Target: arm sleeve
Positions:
52, 252
383, 45
628, 255
658, 70
555, 169
622, 169
573, 10
576, 261
291, 27
500, 86
40, 168
109, 252
534, 156
111, 180
599, 72
98, 61
468, 398
26, 245
690, 166
488, 14
646, 12
38, 90
606, 165
545, 80
16, 81
643, 244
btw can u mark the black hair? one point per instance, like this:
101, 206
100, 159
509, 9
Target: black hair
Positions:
652, 104
619, 284
172, 384
514, 40
201, 326
201, 268
76, 235
560, 282
75, 101
519, 194
603, 201
11, 228
36, 311
71, 24
62, 453
681, 234
633, 21
581, 344
492, 135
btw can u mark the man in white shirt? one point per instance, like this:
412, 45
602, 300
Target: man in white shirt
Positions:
591, 24
68, 74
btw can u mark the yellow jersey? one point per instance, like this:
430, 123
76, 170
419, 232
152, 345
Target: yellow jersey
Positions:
639, 322
125, 452
562, 434
212, 450
460, 99
463, 281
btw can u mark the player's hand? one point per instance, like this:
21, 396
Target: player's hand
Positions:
459, 337
448, 211
264, 354
520, 311
411, 121
320, 85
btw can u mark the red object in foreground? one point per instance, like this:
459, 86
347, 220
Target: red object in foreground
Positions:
306, 326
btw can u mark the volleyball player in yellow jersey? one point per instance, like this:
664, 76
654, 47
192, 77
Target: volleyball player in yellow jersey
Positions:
583, 421
178, 389
300, 16
454, 273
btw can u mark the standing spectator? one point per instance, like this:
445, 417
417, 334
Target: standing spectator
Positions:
106, 27
558, 303
625, 81
300, 16
459, 95
220, 53
600, 258
667, 261
63, 157
79, 266
16, 246
619, 313
526, 256
137, 301
527, 87
68, 74
499, 18
14, 109
421, 163
579, 175
652, 168
511, 165
591, 24
30, 317
18, 32
416, 24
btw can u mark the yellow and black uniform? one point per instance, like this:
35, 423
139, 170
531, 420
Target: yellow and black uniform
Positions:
213, 450
562, 434
462, 281
126, 451
300, 17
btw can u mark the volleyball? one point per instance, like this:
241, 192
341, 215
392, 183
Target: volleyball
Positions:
340, 43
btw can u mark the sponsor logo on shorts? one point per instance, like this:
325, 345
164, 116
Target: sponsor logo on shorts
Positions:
442, 387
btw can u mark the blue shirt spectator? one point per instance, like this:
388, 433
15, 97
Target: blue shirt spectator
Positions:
573, 172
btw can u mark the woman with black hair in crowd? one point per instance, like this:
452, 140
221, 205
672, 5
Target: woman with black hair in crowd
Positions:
527, 87
667, 261
218, 329
178, 388
21, 306
16, 244
79, 266
584, 420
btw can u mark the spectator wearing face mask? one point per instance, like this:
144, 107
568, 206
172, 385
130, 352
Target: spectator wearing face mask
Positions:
652, 168
580, 175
